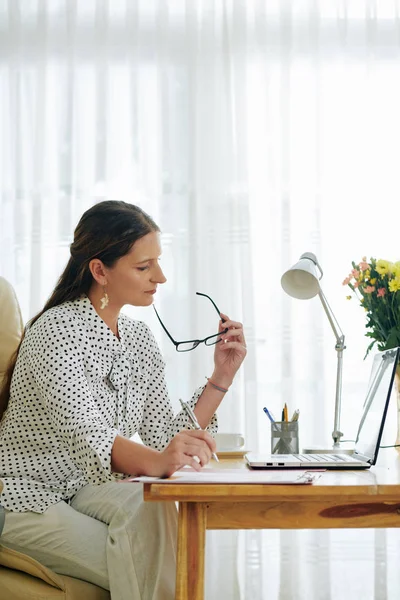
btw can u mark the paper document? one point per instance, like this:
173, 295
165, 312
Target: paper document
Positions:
236, 476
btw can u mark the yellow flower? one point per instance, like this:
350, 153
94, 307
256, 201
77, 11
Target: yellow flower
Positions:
367, 274
383, 266
373, 281
394, 284
396, 270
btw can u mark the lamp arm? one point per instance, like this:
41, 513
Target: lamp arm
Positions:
339, 347
331, 317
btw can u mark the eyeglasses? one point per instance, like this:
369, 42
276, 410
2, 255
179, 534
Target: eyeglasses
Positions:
188, 345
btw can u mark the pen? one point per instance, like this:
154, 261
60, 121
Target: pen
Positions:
194, 421
285, 413
296, 414
269, 415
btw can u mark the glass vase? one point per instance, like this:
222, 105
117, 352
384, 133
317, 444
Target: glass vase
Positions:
397, 392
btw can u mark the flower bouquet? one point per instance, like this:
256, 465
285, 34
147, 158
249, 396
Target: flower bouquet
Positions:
376, 283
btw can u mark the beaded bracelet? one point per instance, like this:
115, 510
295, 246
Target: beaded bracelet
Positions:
217, 387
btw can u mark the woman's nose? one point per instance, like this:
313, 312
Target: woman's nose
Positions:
159, 276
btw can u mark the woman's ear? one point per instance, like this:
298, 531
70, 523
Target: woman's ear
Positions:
98, 271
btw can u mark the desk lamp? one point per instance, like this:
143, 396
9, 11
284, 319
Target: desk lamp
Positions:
302, 281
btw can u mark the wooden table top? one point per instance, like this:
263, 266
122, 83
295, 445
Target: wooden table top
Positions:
381, 482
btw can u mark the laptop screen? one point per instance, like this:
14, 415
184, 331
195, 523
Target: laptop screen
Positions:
376, 403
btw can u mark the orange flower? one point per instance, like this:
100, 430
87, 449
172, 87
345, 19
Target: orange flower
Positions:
364, 266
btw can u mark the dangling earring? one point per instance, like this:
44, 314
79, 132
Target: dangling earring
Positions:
105, 299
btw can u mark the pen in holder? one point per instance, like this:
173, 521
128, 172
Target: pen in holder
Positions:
285, 437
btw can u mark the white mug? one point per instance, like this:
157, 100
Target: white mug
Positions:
229, 441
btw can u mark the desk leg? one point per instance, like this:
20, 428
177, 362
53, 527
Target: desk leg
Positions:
191, 548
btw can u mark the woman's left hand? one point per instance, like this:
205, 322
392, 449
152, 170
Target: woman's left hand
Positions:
229, 352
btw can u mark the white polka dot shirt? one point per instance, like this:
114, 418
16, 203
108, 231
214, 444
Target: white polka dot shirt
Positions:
74, 388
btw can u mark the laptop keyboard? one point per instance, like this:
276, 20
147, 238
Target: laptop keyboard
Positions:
322, 457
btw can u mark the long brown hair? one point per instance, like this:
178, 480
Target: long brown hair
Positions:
106, 231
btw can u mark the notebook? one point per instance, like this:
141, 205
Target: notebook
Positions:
369, 430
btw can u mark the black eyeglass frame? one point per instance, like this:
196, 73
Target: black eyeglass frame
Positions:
214, 338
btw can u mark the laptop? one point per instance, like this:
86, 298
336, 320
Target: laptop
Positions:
369, 430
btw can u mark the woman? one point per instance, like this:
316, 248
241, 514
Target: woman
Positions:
86, 379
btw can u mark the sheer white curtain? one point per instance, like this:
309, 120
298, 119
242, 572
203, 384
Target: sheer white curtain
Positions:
252, 132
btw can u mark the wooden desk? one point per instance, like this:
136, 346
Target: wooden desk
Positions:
339, 499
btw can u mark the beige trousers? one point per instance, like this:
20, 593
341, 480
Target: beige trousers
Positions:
107, 535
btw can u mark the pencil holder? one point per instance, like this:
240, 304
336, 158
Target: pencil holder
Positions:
285, 437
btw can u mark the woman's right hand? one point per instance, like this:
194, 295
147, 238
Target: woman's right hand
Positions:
183, 448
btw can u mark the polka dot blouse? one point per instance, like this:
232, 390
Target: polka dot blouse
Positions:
75, 387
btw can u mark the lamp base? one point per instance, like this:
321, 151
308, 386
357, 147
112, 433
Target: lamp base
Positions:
342, 449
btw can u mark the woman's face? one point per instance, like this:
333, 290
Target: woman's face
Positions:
134, 277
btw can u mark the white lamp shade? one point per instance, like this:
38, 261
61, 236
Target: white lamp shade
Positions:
301, 281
